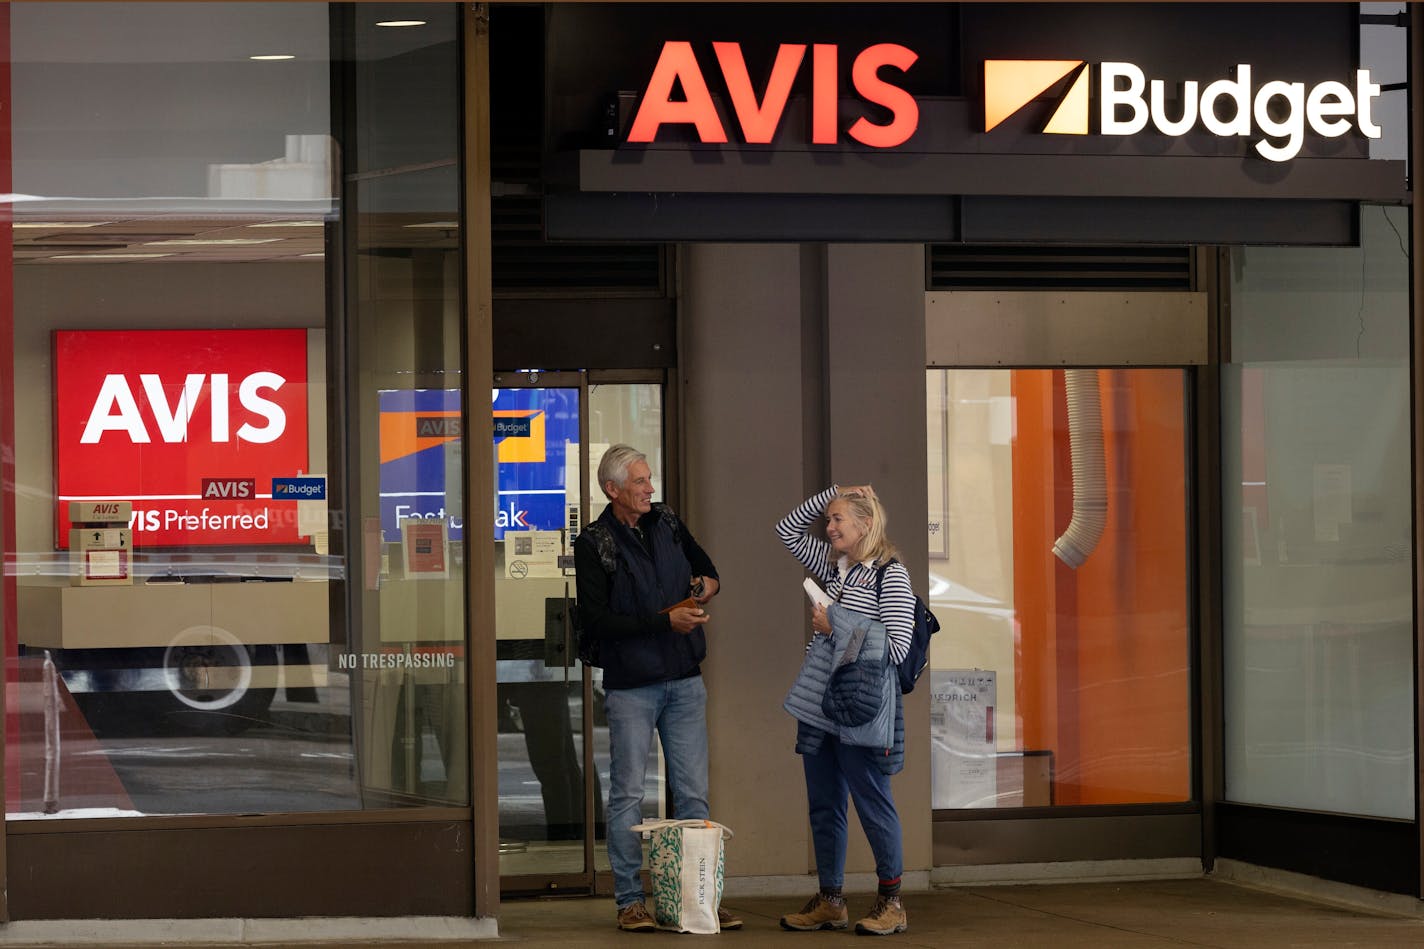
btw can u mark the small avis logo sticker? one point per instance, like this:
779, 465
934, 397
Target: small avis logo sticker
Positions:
232, 489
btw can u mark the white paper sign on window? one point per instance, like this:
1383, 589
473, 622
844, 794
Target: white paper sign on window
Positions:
964, 755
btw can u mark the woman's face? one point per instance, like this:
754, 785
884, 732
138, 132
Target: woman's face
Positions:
841, 528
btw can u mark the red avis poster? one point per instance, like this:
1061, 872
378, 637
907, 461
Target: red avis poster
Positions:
168, 419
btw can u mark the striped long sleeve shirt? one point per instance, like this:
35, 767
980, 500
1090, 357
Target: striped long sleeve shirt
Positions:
851, 585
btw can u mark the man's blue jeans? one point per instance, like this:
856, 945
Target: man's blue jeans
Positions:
678, 709
837, 770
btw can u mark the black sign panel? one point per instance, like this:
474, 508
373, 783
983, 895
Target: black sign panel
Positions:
734, 113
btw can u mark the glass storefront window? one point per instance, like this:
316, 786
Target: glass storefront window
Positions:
1317, 578
1053, 684
207, 618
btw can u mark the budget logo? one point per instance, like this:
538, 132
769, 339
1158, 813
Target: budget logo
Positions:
1011, 84
299, 489
1276, 112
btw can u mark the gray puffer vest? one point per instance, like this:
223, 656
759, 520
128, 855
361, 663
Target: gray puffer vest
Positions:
847, 686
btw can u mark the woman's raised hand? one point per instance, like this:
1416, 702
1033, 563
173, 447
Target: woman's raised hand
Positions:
864, 490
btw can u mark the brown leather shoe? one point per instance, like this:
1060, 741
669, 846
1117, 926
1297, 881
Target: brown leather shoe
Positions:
726, 919
886, 916
818, 913
634, 918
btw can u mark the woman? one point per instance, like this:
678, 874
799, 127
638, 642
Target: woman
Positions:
848, 564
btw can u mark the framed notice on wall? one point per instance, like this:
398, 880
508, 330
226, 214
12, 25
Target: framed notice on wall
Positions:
425, 547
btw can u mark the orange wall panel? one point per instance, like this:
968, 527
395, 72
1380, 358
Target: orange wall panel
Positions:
1104, 672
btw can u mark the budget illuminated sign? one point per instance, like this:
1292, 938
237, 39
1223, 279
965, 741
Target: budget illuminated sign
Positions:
1277, 110
189, 425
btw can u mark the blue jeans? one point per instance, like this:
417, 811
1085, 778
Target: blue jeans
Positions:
837, 770
678, 709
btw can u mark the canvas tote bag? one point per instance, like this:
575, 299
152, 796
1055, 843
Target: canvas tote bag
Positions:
687, 867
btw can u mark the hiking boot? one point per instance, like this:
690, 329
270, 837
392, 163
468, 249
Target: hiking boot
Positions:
886, 916
634, 918
727, 919
818, 913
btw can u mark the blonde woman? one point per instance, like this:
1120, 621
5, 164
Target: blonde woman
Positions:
855, 558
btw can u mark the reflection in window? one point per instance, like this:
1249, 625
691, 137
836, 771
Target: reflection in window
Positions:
1318, 583
1054, 684
629, 414
204, 625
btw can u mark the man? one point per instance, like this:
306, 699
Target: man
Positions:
633, 562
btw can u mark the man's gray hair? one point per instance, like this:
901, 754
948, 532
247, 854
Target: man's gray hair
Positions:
615, 464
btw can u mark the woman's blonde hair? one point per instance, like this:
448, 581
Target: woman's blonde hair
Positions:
869, 515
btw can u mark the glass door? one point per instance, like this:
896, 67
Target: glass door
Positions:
544, 802
551, 430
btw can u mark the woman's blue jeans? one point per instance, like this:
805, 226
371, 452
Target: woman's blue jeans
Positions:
678, 710
831, 774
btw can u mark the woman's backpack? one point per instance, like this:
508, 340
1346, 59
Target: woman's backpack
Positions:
925, 626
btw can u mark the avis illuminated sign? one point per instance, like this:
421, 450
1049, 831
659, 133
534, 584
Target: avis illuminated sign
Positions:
1128, 102
164, 418
758, 113
116, 408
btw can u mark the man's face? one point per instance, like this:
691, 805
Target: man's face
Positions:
635, 497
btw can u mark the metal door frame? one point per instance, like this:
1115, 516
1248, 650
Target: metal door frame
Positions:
592, 879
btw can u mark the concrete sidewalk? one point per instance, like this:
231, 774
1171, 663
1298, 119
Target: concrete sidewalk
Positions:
1177, 913
1143, 915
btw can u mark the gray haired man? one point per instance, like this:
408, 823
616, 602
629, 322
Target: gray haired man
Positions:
634, 562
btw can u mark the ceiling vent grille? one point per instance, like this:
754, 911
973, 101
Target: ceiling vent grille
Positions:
1030, 267
525, 264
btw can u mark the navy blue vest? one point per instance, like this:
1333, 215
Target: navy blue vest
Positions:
642, 585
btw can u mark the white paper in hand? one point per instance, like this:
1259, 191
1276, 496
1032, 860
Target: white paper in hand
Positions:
817, 595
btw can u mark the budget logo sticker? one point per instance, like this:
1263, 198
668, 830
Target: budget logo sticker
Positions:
299, 489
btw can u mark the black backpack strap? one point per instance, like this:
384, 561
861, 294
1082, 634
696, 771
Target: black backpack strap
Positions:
604, 545
669, 517
880, 576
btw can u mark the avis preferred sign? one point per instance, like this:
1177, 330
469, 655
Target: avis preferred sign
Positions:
164, 418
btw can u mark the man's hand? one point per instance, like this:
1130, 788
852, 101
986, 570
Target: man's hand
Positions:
705, 588
820, 622
685, 619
